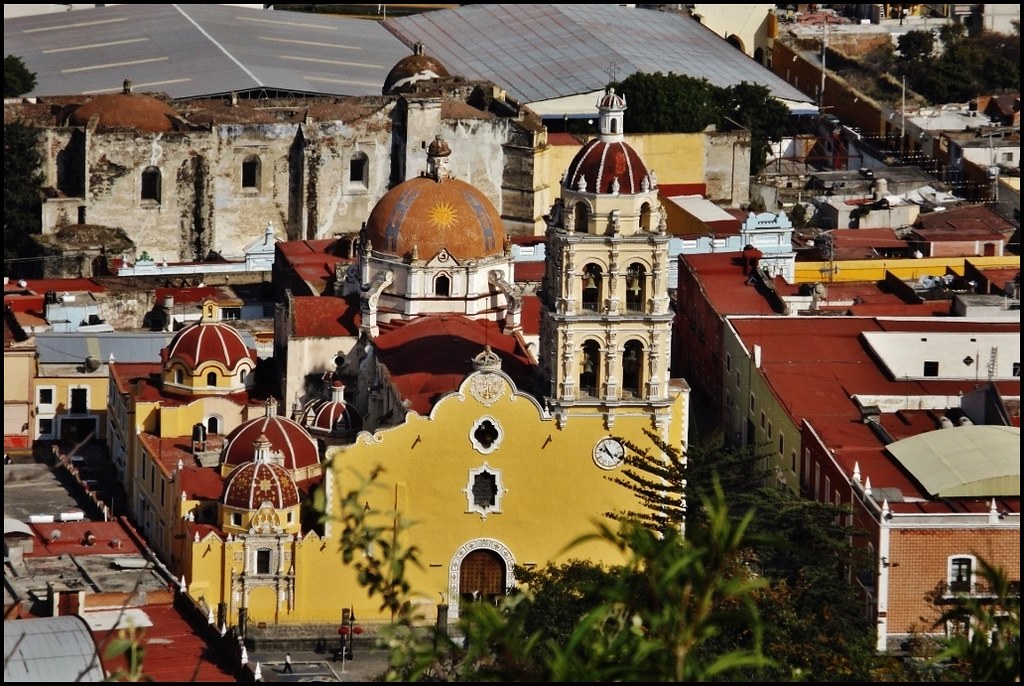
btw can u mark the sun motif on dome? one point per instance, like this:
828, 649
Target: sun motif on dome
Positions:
443, 215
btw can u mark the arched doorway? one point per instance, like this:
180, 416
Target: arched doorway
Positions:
481, 571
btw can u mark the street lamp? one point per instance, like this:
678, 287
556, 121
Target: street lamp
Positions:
346, 634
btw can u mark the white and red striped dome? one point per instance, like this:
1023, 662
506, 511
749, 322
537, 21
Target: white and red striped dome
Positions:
290, 444
599, 164
250, 485
332, 416
608, 164
209, 341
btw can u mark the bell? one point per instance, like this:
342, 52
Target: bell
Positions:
588, 366
589, 283
633, 283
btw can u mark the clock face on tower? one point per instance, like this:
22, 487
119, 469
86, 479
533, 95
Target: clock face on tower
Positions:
608, 453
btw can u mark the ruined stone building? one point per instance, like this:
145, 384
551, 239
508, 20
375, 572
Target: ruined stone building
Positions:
201, 179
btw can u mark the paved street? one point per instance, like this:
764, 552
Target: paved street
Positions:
368, 665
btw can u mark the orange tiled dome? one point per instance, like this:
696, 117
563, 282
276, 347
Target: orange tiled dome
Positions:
209, 341
126, 111
252, 484
432, 215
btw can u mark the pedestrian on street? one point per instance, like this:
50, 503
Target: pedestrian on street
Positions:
287, 663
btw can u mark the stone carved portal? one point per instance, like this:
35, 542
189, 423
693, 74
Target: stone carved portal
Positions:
480, 570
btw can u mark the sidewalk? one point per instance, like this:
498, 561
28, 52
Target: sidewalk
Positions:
367, 665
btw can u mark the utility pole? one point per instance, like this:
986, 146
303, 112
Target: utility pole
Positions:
903, 117
824, 48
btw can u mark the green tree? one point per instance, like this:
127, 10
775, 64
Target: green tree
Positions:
18, 80
676, 103
23, 180
814, 620
649, 623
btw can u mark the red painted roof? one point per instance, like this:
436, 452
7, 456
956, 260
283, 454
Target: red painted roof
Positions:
871, 238
109, 538
125, 373
431, 355
531, 315
175, 651
561, 138
833, 364
201, 483
324, 316
966, 222
671, 190
40, 286
528, 271
724, 283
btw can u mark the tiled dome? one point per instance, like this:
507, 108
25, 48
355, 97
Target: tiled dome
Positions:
599, 163
431, 215
209, 341
252, 484
126, 111
333, 416
296, 447
607, 164
412, 68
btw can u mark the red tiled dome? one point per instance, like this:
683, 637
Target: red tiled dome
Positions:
297, 447
599, 162
432, 215
250, 485
333, 416
126, 111
208, 341
412, 68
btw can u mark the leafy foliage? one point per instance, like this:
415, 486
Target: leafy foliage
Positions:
18, 80
22, 201
676, 103
990, 651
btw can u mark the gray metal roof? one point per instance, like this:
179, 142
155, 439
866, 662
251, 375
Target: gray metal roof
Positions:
50, 649
136, 346
540, 52
536, 52
965, 461
200, 50
73, 348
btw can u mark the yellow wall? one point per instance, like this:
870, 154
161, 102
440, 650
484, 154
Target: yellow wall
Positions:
875, 270
554, 492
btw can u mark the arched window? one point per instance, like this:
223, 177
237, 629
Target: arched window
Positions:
636, 287
442, 286
592, 287
179, 376
632, 369
213, 425
590, 367
581, 217
251, 168
211, 379
358, 169
614, 125
645, 217
151, 184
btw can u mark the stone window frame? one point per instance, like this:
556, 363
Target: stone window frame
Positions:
471, 505
477, 444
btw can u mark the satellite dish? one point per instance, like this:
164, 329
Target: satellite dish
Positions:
55, 534
92, 363
819, 289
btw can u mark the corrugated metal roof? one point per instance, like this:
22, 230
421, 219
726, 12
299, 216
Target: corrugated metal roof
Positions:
50, 649
536, 52
964, 461
138, 346
540, 52
200, 50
